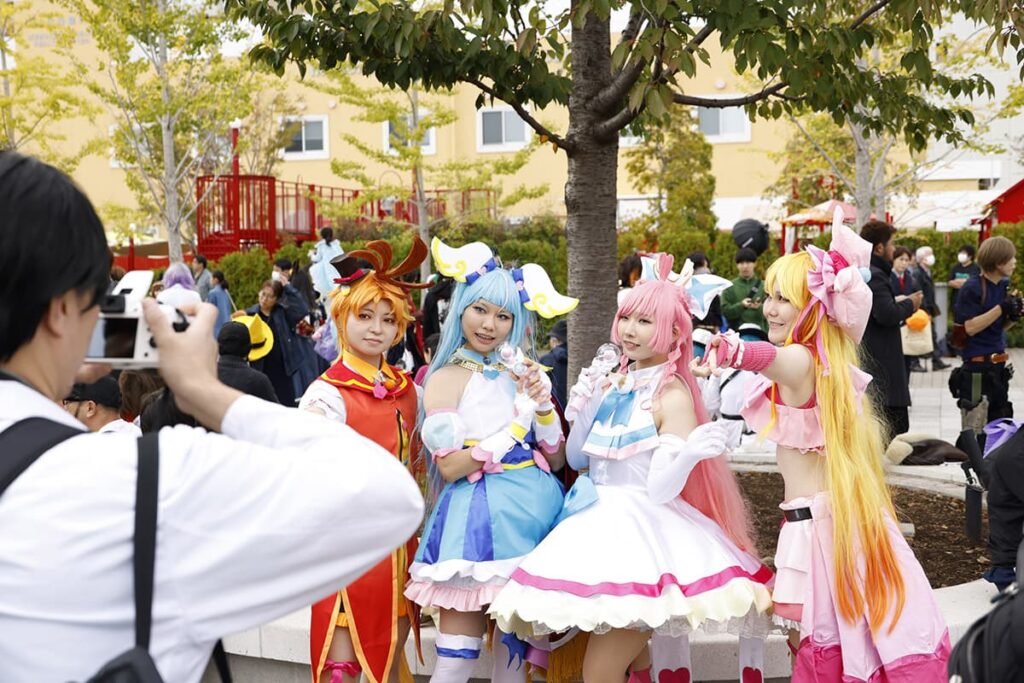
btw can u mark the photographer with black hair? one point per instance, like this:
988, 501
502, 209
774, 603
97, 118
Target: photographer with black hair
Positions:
984, 309
742, 303
242, 517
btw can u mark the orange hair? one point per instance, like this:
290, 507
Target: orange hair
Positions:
382, 283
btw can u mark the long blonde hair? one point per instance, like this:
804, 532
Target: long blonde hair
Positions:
860, 499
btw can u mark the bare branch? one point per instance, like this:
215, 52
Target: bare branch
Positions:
764, 94
825, 155
525, 116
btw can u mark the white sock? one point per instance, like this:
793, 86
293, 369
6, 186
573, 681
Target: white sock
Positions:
751, 660
456, 658
503, 671
669, 654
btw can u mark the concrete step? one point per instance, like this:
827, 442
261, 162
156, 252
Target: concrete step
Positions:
278, 652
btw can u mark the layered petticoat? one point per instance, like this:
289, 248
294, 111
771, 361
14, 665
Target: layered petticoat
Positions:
833, 650
479, 532
628, 562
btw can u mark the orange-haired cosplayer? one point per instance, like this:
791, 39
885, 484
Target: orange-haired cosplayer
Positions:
363, 628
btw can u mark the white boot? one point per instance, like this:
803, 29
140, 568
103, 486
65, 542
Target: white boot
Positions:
456, 658
671, 657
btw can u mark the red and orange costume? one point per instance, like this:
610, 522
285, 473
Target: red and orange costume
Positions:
381, 404
371, 607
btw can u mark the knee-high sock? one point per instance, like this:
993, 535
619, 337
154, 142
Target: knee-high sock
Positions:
456, 658
670, 659
751, 660
505, 671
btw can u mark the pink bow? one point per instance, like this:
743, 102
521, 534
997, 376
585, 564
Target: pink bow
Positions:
836, 280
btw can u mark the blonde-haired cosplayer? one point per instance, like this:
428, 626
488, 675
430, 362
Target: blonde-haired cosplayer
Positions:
847, 582
362, 629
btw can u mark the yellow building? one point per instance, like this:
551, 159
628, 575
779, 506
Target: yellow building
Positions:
743, 161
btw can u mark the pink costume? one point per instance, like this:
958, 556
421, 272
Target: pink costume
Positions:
831, 649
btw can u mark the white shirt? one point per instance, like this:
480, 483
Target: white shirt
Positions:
252, 524
120, 426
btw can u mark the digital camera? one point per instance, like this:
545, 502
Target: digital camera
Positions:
121, 337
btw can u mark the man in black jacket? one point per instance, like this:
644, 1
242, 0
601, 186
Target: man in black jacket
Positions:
234, 345
883, 348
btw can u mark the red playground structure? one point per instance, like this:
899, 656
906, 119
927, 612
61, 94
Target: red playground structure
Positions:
240, 212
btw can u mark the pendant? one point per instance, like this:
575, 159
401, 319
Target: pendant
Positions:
379, 390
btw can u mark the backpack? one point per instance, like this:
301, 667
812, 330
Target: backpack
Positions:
22, 444
992, 649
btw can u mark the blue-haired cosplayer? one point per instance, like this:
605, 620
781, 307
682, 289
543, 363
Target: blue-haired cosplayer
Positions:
493, 444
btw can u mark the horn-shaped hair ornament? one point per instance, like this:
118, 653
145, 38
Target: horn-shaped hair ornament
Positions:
375, 259
468, 262
838, 281
698, 290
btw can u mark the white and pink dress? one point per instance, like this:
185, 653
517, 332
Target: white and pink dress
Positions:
831, 649
636, 555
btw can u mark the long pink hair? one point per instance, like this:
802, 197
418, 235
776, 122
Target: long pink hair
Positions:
712, 487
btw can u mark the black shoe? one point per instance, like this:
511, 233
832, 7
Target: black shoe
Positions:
939, 365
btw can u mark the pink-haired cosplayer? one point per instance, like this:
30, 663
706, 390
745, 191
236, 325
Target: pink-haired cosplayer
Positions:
657, 538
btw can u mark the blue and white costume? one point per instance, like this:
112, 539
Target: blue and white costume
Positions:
481, 526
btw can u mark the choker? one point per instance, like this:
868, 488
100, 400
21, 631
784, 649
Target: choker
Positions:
487, 365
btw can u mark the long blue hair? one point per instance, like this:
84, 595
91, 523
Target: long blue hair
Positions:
496, 287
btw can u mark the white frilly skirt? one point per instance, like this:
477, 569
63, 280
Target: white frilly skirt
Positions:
628, 562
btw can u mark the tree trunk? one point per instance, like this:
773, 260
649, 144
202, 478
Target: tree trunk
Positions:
422, 219
869, 193
590, 199
169, 177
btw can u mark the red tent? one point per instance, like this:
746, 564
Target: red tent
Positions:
820, 216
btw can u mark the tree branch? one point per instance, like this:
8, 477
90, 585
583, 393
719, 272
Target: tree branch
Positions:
630, 73
825, 155
609, 127
868, 13
524, 115
679, 98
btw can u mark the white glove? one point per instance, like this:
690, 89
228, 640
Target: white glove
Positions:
546, 404
588, 381
675, 458
497, 445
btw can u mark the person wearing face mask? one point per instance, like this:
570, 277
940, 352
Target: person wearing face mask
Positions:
963, 271
923, 277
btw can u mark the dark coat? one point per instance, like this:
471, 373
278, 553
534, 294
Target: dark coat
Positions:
237, 374
301, 362
909, 283
882, 346
924, 282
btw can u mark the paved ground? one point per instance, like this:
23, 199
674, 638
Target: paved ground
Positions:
934, 411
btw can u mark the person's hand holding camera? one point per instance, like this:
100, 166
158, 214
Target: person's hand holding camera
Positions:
188, 362
1013, 308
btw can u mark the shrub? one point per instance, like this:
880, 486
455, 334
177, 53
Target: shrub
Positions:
245, 272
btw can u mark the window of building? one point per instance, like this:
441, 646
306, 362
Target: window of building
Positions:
309, 140
393, 136
728, 124
499, 129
